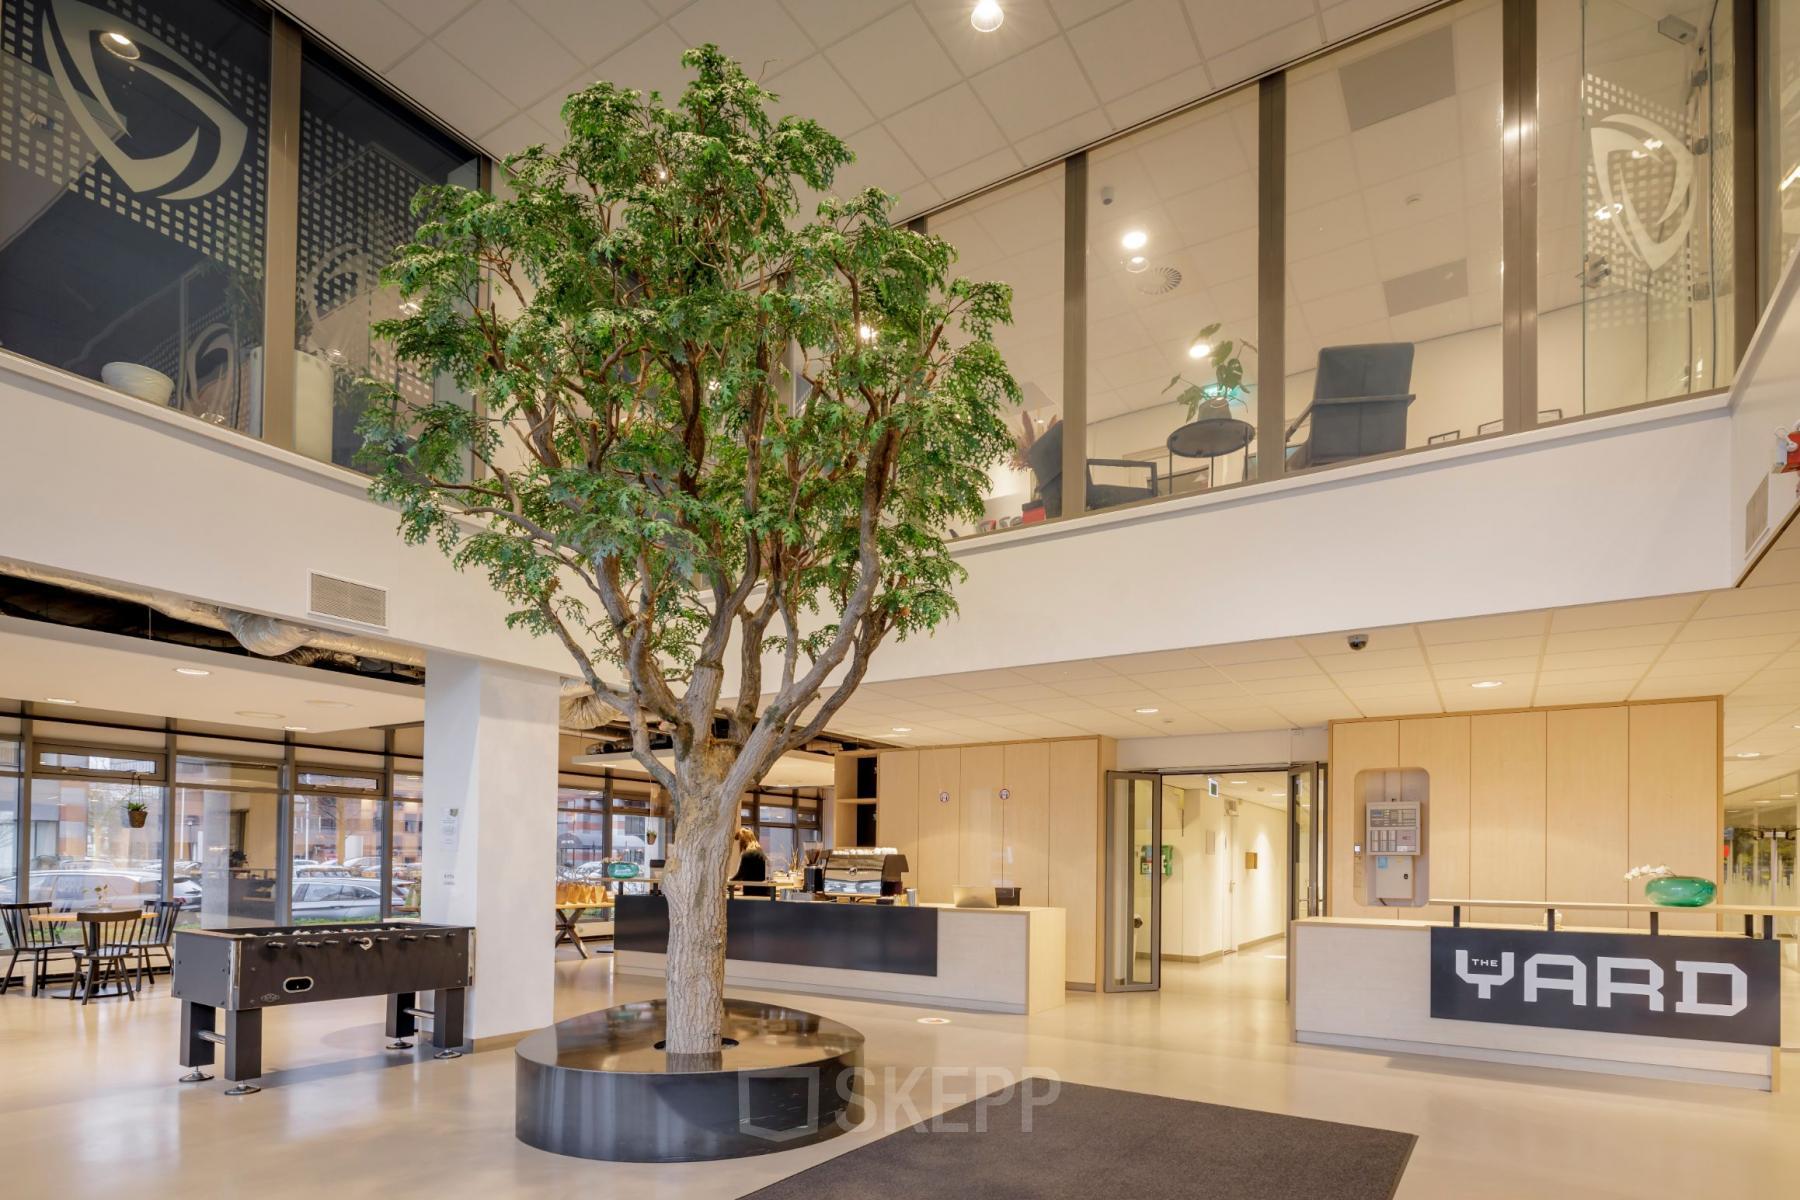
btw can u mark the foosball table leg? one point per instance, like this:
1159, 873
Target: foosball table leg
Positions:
196, 1051
401, 1024
243, 1049
447, 1014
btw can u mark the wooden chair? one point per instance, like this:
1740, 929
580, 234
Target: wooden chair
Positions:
40, 941
110, 941
155, 936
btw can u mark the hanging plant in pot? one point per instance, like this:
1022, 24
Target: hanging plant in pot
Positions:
136, 813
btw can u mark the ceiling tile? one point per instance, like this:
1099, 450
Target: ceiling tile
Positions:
946, 131
1272, 50
445, 87
372, 33
1477, 629
1034, 90
894, 63
1133, 45
514, 55
813, 89
514, 135
826, 21
427, 16
1222, 27
589, 31
761, 37
1028, 22
651, 63
1653, 611
1059, 140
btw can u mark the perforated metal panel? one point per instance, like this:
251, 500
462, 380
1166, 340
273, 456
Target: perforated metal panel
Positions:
346, 601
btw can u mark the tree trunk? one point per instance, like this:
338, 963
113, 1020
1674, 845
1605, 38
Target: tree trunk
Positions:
694, 885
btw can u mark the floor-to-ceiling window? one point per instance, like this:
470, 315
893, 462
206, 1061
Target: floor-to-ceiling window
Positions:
406, 852
337, 847
226, 835
96, 826
9, 815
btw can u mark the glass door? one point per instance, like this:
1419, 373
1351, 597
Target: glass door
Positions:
1306, 843
1136, 862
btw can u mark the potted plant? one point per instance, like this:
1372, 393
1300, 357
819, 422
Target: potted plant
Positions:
659, 493
1214, 399
136, 813
1663, 886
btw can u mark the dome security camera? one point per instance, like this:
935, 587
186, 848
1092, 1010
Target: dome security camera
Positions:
1358, 641
1106, 195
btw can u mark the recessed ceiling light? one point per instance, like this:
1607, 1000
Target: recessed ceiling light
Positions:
1136, 264
195, 671
1239, 782
1748, 754
934, 1020
324, 704
902, 729
257, 714
987, 16
1146, 711
1787, 795
119, 44
1199, 350
1134, 239
1762, 802
1488, 683
295, 728
59, 700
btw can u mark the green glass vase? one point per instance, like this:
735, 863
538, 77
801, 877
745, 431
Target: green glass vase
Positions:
1680, 891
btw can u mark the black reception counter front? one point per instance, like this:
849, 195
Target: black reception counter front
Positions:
853, 937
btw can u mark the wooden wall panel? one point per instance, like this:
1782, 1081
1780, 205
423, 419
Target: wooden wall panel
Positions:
1355, 746
1587, 786
983, 838
1506, 809
1075, 849
1675, 794
897, 806
940, 824
1439, 746
1025, 849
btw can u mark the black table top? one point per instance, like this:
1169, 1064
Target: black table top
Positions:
1211, 437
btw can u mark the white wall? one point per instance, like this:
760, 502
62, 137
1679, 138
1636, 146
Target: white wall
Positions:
1217, 751
1467, 530
1196, 903
113, 488
1259, 911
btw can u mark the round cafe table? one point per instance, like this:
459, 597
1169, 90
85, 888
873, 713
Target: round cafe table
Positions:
1212, 438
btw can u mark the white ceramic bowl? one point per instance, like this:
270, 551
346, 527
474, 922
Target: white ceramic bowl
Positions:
140, 381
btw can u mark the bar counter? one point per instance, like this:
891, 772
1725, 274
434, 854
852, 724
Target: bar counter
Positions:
982, 959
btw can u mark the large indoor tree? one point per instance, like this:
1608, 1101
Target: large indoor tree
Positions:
722, 424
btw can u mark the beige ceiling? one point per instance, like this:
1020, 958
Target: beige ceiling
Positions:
1742, 643
932, 108
129, 675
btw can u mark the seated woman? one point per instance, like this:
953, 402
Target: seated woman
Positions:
753, 865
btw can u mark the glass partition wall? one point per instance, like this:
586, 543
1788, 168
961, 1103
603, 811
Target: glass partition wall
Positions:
1311, 270
1305, 271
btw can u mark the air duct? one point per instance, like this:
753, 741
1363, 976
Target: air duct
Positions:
272, 637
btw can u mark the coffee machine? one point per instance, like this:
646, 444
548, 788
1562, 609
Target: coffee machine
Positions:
864, 873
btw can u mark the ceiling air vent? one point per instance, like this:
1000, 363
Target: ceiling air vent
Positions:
1159, 281
343, 600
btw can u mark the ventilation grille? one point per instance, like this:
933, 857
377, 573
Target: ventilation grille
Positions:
345, 601
1159, 281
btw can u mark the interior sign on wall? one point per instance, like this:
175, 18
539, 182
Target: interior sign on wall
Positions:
1715, 989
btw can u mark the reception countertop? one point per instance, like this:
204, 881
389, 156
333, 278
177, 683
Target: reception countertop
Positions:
1368, 983
991, 959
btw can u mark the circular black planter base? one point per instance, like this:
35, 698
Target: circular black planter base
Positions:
595, 1086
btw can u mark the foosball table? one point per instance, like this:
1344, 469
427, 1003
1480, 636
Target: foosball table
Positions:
240, 972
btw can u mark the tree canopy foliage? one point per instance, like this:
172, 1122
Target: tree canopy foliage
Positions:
711, 429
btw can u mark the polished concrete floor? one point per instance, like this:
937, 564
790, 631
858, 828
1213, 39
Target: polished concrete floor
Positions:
89, 1105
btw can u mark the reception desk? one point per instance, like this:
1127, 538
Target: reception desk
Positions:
1701, 1006
983, 959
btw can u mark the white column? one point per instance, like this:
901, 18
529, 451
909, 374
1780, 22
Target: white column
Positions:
490, 831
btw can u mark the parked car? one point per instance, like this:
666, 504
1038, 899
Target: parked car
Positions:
366, 867
342, 899
322, 873
70, 890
